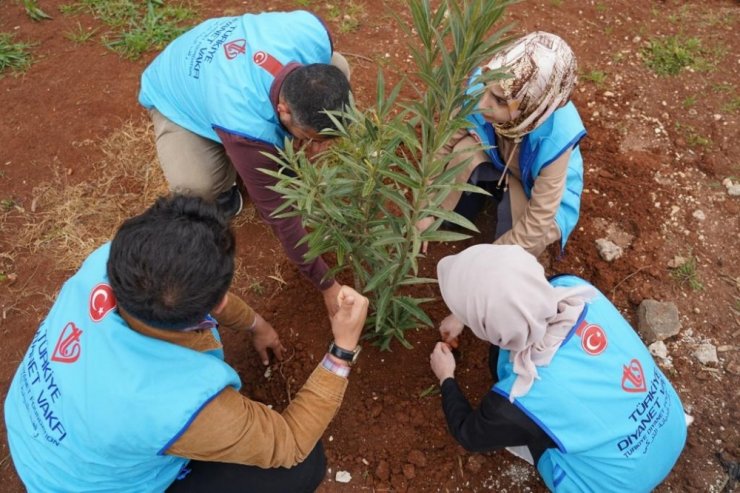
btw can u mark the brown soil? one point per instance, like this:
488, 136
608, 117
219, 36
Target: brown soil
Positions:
647, 172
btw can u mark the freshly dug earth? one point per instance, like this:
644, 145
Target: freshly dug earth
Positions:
657, 151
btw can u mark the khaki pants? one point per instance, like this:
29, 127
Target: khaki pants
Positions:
192, 164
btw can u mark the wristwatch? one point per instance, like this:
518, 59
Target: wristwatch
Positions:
349, 356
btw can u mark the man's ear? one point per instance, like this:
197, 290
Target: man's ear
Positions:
221, 304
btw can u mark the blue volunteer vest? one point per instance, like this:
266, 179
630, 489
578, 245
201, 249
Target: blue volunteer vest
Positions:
218, 75
94, 405
563, 130
618, 423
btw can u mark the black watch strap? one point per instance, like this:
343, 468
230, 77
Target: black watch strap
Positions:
344, 354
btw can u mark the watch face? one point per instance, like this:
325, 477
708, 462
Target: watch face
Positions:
356, 354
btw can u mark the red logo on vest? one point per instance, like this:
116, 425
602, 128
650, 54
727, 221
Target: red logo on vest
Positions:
633, 379
102, 302
235, 48
68, 346
593, 338
268, 62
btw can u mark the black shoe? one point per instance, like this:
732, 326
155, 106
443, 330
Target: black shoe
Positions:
230, 202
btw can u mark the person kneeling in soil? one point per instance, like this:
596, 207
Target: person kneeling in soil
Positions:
575, 392
124, 386
225, 95
534, 167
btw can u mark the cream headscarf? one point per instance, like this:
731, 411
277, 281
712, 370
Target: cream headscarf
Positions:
543, 73
501, 293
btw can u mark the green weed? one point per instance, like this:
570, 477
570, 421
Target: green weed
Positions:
303, 3
556, 3
13, 56
430, 391
79, 34
600, 7
34, 11
6, 204
347, 17
688, 102
257, 288
686, 274
596, 76
732, 106
670, 54
137, 27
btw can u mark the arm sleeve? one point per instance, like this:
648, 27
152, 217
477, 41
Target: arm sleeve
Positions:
232, 428
497, 423
236, 314
247, 158
536, 228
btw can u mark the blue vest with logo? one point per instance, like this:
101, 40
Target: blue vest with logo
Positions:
219, 74
618, 423
95, 405
562, 131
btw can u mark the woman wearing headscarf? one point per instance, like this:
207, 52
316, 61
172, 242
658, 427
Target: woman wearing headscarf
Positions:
534, 166
576, 392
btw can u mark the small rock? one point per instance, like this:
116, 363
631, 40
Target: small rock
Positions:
474, 464
658, 349
699, 215
417, 458
734, 190
733, 368
717, 117
677, 262
383, 471
657, 321
608, 250
608, 94
409, 471
725, 347
343, 477
706, 353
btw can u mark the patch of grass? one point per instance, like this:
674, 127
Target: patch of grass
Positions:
686, 274
693, 138
34, 11
348, 16
303, 3
80, 34
556, 3
257, 288
14, 56
600, 7
723, 87
688, 102
669, 54
731, 106
6, 204
136, 26
598, 77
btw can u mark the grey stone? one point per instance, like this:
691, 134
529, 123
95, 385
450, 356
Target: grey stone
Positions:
608, 250
659, 349
657, 321
734, 190
706, 353
699, 215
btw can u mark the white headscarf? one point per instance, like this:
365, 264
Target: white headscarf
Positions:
501, 293
543, 73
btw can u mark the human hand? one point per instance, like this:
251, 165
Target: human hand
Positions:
450, 329
422, 225
348, 321
442, 362
330, 295
266, 337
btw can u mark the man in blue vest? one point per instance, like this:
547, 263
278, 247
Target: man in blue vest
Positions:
231, 90
575, 391
124, 386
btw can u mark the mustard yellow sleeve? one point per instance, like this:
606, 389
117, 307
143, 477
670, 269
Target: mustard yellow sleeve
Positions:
535, 227
236, 314
232, 428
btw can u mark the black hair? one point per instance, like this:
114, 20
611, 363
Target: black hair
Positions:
171, 265
312, 89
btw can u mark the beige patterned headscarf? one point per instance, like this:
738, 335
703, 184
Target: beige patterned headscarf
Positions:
501, 293
543, 73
